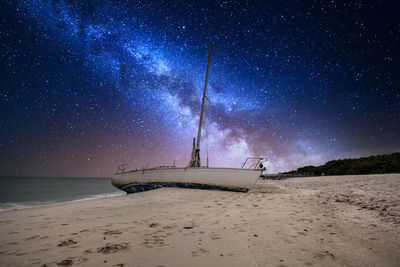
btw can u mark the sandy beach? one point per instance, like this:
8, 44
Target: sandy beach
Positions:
316, 221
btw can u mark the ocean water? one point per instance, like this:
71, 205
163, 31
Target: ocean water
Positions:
25, 192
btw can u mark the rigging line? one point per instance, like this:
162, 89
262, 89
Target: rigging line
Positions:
207, 126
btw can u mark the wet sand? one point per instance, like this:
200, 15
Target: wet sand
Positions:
318, 221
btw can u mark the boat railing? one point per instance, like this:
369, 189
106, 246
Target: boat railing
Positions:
122, 168
164, 167
256, 166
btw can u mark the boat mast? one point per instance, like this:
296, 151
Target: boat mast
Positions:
195, 160
204, 98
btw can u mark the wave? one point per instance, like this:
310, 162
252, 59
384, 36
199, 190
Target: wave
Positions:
31, 204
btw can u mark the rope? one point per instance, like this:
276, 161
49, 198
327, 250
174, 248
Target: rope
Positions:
207, 129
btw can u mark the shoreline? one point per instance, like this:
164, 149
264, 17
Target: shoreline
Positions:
288, 222
37, 204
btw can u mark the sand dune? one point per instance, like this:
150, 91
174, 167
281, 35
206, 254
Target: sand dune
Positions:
320, 221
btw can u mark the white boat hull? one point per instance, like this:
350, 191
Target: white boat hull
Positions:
208, 178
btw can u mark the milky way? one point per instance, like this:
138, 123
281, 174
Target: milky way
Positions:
86, 85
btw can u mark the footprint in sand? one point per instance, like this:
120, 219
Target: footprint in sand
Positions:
35, 261
112, 232
199, 252
158, 240
67, 243
66, 262
318, 256
32, 237
112, 248
214, 236
11, 233
82, 260
20, 254
321, 256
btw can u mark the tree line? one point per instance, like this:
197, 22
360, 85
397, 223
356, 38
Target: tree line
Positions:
389, 163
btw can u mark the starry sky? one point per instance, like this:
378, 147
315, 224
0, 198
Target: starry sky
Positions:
86, 85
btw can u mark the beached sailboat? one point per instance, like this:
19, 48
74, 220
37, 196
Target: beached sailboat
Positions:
194, 175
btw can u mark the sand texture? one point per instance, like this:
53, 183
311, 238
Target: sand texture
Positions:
318, 221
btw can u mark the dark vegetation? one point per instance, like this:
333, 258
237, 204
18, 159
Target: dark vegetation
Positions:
389, 163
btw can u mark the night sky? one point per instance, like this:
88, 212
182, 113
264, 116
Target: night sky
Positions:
86, 85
